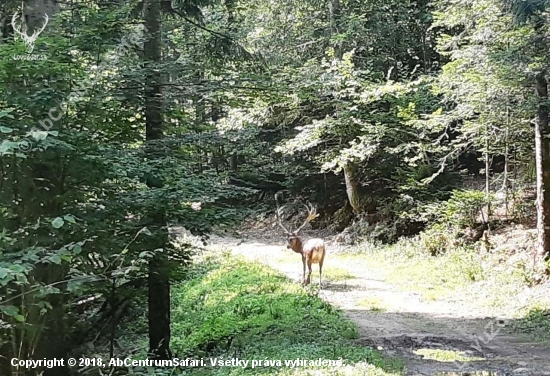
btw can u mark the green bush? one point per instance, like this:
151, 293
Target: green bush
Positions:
436, 240
464, 207
461, 210
537, 321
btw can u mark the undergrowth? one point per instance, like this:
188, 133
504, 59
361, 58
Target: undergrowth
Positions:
536, 322
495, 282
410, 265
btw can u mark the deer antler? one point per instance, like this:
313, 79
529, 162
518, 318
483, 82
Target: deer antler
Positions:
311, 215
278, 215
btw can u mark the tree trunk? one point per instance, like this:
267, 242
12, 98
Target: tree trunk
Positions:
158, 278
487, 176
505, 182
542, 149
34, 13
352, 187
350, 178
54, 338
233, 163
334, 12
159, 306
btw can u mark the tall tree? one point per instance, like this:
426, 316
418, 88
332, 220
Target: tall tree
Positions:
542, 152
159, 281
542, 144
349, 168
535, 12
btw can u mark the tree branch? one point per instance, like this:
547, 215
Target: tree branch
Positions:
215, 33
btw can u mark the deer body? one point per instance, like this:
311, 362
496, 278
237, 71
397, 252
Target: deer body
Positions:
312, 250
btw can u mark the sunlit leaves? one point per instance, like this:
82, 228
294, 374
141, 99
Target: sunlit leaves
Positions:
360, 150
58, 222
308, 137
484, 85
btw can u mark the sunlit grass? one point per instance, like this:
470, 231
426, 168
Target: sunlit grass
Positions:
288, 260
536, 321
446, 355
373, 304
337, 274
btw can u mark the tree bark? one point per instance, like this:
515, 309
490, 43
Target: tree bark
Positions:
233, 162
54, 338
487, 176
350, 174
352, 187
505, 182
334, 12
542, 150
158, 278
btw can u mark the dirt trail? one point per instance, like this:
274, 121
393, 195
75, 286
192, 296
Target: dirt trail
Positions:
399, 322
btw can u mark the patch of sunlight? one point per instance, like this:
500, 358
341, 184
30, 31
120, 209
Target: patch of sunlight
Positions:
229, 297
356, 369
431, 294
409, 282
286, 259
337, 274
374, 304
349, 257
446, 355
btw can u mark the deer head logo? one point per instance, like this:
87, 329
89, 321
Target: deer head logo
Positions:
28, 39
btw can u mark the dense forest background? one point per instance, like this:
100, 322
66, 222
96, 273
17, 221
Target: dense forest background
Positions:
394, 118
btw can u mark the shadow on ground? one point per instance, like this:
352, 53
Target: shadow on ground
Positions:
457, 343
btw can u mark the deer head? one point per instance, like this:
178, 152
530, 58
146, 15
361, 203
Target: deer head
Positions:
29, 40
292, 238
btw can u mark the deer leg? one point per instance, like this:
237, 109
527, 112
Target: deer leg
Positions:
304, 272
320, 273
309, 271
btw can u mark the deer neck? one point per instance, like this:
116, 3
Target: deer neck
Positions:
297, 246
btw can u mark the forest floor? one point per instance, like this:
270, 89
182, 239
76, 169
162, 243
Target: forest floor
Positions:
449, 335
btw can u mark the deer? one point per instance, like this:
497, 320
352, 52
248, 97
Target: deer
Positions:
28, 39
312, 250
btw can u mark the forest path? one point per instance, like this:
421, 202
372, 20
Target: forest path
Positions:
399, 322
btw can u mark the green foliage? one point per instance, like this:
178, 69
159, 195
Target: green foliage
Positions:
76, 205
536, 321
463, 209
436, 240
